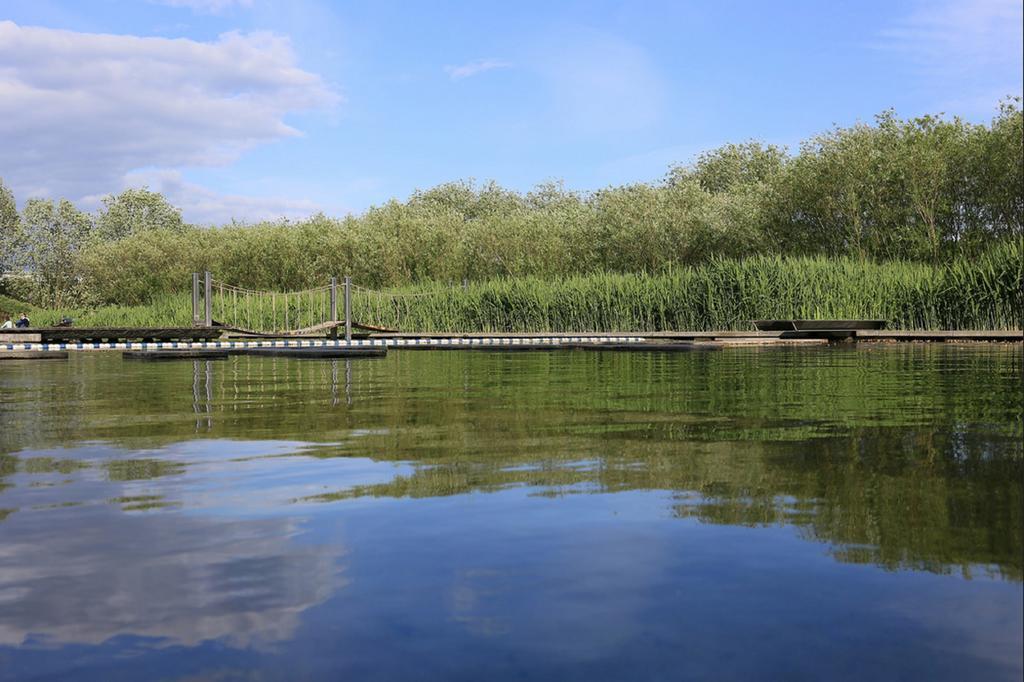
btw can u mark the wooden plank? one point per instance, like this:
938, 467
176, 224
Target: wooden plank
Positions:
647, 347
579, 345
484, 347
33, 355
939, 335
560, 335
21, 337
176, 354
313, 353
781, 341
76, 334
317, 331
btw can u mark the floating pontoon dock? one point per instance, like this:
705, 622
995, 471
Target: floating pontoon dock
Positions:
107, 334
205, 339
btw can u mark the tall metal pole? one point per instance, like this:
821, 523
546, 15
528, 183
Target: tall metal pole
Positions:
208, 296
334, 299
348, 308
334, 307
195, 299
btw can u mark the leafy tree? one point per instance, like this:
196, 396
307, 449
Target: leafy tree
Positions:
133, 211
842, 194
929, 158
995, 176
924, 189
11, 236
55, 233
732, 165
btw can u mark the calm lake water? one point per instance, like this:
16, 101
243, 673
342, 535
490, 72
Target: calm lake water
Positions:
776, 513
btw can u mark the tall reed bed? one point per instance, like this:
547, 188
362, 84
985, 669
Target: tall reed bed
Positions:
985, 293
721, 294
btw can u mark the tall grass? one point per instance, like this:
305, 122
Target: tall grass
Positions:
722, 294
985, 293
168, 310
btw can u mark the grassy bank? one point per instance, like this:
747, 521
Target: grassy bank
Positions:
170, 310
983, 293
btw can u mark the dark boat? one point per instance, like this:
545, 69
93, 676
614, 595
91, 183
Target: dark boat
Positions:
817, 325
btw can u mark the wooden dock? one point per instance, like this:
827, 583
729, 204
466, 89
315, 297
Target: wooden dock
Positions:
750, 337
175, 354
33, 355
107, 334
947, 335
204, 339
315, 353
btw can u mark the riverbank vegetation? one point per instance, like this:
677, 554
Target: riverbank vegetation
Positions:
917, 221
980, 293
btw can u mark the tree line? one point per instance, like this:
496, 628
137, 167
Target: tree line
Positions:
931, 189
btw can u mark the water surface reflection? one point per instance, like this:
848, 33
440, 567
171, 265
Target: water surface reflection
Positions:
792, 512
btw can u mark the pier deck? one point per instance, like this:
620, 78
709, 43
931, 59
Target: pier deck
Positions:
745, 336
93, 334
59, 339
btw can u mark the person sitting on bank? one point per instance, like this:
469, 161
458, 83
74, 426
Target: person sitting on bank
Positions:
22, 322
8, 322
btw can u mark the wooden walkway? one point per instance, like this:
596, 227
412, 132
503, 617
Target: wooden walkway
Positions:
58, 339
948, 335
751, 337
94, 334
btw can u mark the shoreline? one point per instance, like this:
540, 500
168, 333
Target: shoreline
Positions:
656, 341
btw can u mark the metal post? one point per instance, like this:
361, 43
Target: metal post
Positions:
208, 296
334, 299
196, 299
348, 308
334, 307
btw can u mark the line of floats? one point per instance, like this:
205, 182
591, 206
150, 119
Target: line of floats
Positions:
313, 352
203, 343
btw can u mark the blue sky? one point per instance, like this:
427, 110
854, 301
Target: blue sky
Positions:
252, 108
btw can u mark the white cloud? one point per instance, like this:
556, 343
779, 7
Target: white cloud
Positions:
961, 37
206, 6
202, 206
247, 582
474, 68
79, 111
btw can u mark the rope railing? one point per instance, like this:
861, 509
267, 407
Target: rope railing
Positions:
385, 309
268, 312
313, 310
392, 294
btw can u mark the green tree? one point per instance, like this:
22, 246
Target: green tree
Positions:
929, 156
995, 176
731, 165
718, 206
55, 234
923, 189
11, 236
133, 211
842, 194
